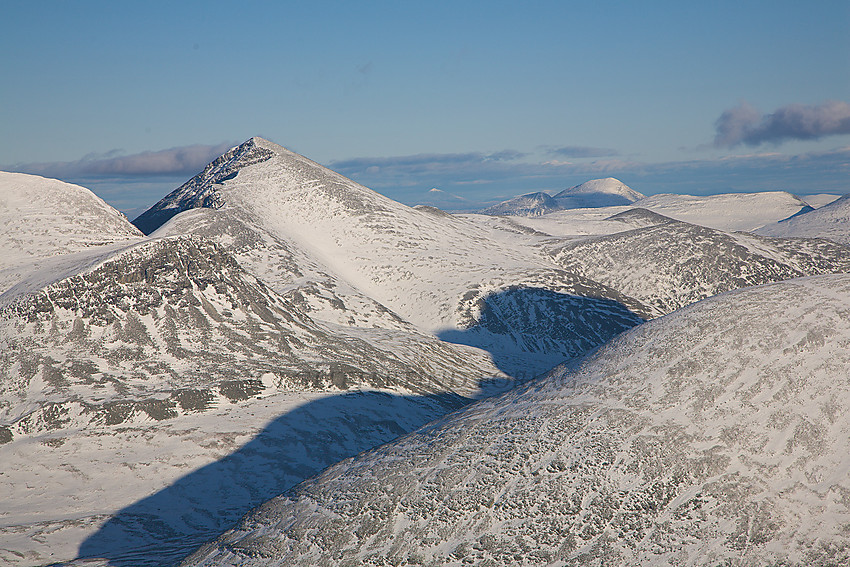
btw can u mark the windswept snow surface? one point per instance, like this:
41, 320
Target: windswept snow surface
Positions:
668, 264
729, 211
41, 218
830, 221
717, 435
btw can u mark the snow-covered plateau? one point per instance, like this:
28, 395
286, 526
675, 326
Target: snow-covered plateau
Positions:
270, 318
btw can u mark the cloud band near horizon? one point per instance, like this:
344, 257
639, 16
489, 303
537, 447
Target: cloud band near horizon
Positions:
744, 124
183, 160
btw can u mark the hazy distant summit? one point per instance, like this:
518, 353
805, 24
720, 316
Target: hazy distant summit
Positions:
532, 204
595, 193
608, 192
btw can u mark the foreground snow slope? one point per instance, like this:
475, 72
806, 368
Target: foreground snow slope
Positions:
717, 435
41, 217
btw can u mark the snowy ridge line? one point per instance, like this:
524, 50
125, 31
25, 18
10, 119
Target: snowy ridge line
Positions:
78, 265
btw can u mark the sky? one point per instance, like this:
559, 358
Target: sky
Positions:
482, 100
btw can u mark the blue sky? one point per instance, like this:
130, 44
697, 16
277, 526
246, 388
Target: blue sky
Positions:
485, 100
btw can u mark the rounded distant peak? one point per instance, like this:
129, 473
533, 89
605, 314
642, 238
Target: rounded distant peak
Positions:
598, 193
610, 185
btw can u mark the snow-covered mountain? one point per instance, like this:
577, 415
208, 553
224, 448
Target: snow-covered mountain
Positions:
595, 193
254, 304
830, 221
171, 335
606, 192
354, 257
713, 436
532, 204
729, 211
168, 315
280, 318
668, 264
41, 218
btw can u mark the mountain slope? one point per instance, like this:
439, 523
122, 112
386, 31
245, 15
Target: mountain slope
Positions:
606, 192
830, 221
122, 371
669, 264
171, 314
730, 211
713, 436
41, 217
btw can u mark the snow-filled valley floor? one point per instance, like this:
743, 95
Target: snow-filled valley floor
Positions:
270, 319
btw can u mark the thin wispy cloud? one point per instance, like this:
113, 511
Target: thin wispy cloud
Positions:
581, 152
744, 124
482, 173
184, 160
403, 170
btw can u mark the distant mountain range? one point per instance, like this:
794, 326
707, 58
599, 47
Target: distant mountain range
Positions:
270, 318
608, 192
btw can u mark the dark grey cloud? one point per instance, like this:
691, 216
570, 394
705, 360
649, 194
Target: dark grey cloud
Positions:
581, 152
746, 125
184, 160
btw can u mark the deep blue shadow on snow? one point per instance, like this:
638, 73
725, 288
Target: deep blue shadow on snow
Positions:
168, 525
529, 330
526, 330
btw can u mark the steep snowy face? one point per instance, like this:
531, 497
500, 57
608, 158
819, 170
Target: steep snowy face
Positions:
830, 221
41, 217
671, 264
716, 435
730, 211
606, 192
533, 204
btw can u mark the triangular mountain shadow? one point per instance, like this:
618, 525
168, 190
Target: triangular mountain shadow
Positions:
168, 525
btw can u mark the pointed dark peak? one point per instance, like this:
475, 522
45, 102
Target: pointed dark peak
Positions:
202, 190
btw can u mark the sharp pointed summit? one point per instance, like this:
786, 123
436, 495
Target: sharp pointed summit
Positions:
201, 190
